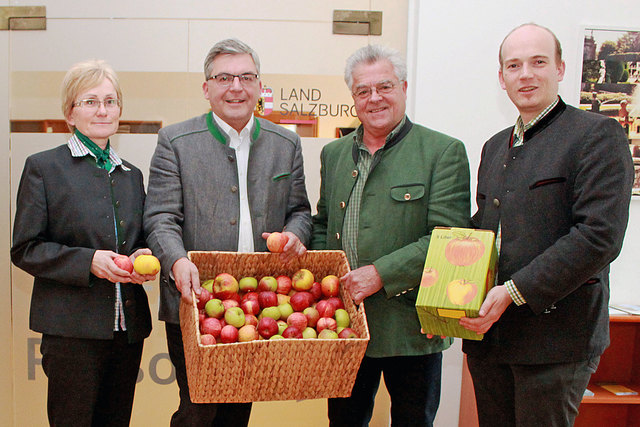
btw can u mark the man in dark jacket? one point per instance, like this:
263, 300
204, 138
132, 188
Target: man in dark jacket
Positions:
555, 188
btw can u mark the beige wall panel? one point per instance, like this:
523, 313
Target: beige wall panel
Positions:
127, 44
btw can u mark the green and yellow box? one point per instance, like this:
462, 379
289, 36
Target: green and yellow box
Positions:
458, 272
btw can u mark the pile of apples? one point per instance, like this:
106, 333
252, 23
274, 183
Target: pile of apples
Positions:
271, 308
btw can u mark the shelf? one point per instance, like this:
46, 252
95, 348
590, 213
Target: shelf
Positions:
602, 396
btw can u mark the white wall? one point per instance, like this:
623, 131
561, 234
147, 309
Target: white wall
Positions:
454, 48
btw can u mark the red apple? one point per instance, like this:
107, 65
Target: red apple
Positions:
250, 307
326, 323
211, 326
301, 300
336, 302
316, 291
224, 286
214, 308
292, 332
250, 319
284, 285
297, 319
312, 316
201, 316
234, 316
267, 327
347, 333
302, 280
123, 262
276, 242
267, 299
207, 339
325, 308
247, 333
330, 286
229, 334
204, 297
249, 295
268, 283
228, 303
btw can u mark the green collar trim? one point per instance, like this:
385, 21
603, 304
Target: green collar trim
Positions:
217, 134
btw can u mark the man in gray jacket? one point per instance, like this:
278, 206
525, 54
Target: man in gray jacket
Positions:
221, 181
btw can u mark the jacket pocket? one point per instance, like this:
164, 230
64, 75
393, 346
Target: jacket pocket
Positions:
407, 193
547, 181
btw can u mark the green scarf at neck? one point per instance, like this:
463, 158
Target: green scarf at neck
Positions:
102, 156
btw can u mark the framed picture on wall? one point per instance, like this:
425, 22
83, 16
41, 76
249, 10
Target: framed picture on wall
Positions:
610, 83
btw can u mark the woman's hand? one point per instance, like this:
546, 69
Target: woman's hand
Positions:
103, 267
141, 278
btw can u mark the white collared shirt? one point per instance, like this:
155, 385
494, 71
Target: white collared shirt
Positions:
241, 143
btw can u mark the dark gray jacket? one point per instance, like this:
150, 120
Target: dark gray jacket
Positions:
193, 201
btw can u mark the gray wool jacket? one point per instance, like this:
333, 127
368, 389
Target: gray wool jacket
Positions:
193, 194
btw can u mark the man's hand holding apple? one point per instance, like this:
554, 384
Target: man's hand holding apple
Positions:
292, 249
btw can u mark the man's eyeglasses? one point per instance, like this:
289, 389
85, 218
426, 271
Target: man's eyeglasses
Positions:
226, 79
94, 104
382, 88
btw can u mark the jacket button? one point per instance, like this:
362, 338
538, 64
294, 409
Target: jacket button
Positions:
496, 202
233, 222
231, 158
342, 205
117, 203
234, 189
129, 303
407, 196
113, 182
337, 236
354, 173
124, 242
121, 223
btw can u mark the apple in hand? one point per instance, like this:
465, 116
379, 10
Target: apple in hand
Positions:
214, 308
268, 283
229, 334
124, 263
302, 280
224, 286
267, 327
146, 265
330, 286
284, 285
248, 284
234, 316
276, 242
247, 333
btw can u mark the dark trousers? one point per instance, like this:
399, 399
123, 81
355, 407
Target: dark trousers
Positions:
413, 383
90, 382
529, 395
199, 414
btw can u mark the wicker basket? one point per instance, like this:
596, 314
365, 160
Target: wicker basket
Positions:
262, 370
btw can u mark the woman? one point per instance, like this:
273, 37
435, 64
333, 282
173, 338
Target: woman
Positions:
78, 207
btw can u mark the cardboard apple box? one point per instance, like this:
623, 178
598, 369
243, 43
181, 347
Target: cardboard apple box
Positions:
458, 273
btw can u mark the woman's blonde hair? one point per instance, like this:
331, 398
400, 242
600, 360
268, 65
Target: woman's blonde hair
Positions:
83, 76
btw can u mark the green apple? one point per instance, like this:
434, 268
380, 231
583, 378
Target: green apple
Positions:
342, 318
327, 334
309, 332
214, 308
285, 310
208, 285
234, 316
273, 312
248, 284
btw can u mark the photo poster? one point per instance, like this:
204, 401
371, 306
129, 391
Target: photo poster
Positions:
610, 82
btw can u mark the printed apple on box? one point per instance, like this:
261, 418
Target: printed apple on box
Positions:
458, 273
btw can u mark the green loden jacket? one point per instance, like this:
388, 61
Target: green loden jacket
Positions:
421, 181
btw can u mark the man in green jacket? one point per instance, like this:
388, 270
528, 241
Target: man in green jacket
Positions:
384, 187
